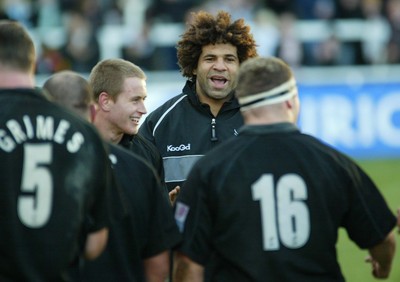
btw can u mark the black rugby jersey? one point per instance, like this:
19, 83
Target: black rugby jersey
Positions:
266, 206
145, 149
54, 175
183, 130
146, 229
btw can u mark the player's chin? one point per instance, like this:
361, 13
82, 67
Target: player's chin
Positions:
132, 129
219, 95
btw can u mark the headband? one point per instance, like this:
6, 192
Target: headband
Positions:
281, 93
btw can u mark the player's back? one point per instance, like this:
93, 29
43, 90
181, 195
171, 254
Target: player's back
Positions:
277, 203
53, 166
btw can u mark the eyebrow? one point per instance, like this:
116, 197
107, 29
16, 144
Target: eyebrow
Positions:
224, 55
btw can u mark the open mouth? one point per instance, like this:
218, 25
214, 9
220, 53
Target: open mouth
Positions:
219, 81
135, 120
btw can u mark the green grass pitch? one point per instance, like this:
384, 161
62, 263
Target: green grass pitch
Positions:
386, 174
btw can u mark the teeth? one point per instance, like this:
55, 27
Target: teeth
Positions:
219, 79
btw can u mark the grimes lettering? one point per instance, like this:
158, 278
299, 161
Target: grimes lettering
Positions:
43, 128
180, 148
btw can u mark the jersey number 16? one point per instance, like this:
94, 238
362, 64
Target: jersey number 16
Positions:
285, 216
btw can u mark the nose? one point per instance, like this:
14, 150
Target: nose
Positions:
142, 108
220, 64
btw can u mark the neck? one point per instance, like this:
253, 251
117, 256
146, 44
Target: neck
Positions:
268, 115
251, 120
16, 79
215, 105
107, 131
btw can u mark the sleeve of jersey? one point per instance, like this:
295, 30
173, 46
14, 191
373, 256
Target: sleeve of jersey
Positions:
100, 207
369, 219
163, 232
194, 219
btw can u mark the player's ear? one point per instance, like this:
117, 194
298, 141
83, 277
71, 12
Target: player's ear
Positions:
289, 104
292, 102
105, 101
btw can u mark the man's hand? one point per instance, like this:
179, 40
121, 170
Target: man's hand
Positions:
377, 270
381, 257
173, 194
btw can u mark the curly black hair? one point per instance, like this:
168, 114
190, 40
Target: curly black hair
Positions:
206, 29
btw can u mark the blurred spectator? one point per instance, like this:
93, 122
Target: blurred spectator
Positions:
171, 11
20, 10
143, 50
51, 60
393, 48
140, 50
315, 9
319, 52
280, 7
290, 48
97, 12
327, 53
68, 30
49, 14
266, 32
351, 50
137, 47
245, 9
82, 48
348, 9
376, 39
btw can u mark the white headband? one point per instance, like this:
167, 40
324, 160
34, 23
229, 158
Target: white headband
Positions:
281, 93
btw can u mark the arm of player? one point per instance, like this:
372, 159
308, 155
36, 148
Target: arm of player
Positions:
187, 270
381, 257
157, 267
95, 243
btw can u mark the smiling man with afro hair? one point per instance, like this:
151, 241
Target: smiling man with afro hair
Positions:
206, 113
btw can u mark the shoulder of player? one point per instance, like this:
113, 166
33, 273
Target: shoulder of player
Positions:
324, 152
169, 105
129, 158
143, 142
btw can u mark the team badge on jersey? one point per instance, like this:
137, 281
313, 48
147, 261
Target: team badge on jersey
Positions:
181, 213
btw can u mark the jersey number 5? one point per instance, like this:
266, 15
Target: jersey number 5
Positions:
35, 201
285, 218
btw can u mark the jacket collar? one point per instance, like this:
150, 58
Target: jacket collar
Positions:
283, 127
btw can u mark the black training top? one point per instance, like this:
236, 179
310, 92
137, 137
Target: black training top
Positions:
55, 174
267, 206
145, 149
147, 227
183, 130
142, 147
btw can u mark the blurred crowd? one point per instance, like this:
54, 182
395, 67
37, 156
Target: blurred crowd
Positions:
68, 30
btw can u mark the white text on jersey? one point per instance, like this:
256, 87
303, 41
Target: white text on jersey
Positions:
45, 130
181, 147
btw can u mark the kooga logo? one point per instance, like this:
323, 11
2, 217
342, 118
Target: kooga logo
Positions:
181, 147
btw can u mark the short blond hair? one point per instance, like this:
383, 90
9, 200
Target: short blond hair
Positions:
109, 76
